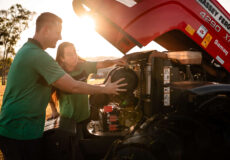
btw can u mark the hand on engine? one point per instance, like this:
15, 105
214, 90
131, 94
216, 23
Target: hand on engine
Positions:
115, 87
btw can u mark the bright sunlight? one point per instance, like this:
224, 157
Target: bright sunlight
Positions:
81, 32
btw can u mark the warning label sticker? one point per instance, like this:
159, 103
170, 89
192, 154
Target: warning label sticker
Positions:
206, 40
202, 31
190, 30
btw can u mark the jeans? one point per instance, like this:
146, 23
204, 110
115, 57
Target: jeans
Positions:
13, 149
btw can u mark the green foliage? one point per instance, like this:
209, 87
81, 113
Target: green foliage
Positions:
12, 23
7, 62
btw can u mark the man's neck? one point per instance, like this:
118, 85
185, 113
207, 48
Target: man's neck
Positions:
39, 40
35, 42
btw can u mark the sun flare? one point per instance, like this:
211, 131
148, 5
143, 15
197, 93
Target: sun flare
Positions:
87, 22
81, 33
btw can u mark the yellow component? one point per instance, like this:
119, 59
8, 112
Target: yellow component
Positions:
129, 116
1, 155
190, 30
206, 41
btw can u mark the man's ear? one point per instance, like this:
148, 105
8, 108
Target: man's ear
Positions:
46, 30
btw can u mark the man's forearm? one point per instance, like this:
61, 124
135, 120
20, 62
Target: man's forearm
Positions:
68, 84
84, 88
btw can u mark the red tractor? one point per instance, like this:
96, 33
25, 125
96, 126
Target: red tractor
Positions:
177, 102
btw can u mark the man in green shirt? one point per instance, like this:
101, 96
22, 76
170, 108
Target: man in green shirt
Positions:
30, 79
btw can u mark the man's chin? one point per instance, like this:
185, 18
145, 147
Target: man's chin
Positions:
53, 46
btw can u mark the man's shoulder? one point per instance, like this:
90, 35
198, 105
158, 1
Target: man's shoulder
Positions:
31, 48
30, 53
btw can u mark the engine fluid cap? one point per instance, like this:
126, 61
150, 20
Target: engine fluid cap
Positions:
108, 108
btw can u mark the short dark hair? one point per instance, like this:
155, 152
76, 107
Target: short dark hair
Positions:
46, 18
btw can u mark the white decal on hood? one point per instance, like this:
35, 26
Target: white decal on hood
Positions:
220, 60
128, 3
202, 31
217, 43
216, 14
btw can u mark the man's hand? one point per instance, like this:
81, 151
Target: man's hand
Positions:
115, 87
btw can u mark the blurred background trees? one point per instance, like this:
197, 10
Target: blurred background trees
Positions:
12, 23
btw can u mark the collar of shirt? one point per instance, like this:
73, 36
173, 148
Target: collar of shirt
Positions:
35, 42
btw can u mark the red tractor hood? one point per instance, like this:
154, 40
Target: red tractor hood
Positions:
175, 24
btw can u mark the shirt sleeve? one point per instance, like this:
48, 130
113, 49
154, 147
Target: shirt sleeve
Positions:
47, 67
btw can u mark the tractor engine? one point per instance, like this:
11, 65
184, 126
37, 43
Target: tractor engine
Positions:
169, 95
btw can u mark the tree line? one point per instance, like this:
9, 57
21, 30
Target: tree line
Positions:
12, 23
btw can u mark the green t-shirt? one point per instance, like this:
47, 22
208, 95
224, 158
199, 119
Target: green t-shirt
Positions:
75, 106
27, 93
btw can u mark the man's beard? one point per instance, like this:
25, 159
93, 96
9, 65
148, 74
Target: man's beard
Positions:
51, 43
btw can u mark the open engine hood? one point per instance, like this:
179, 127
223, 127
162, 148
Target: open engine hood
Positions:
105, 25
174, 24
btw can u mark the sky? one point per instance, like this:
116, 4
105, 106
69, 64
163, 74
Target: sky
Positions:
79, 31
